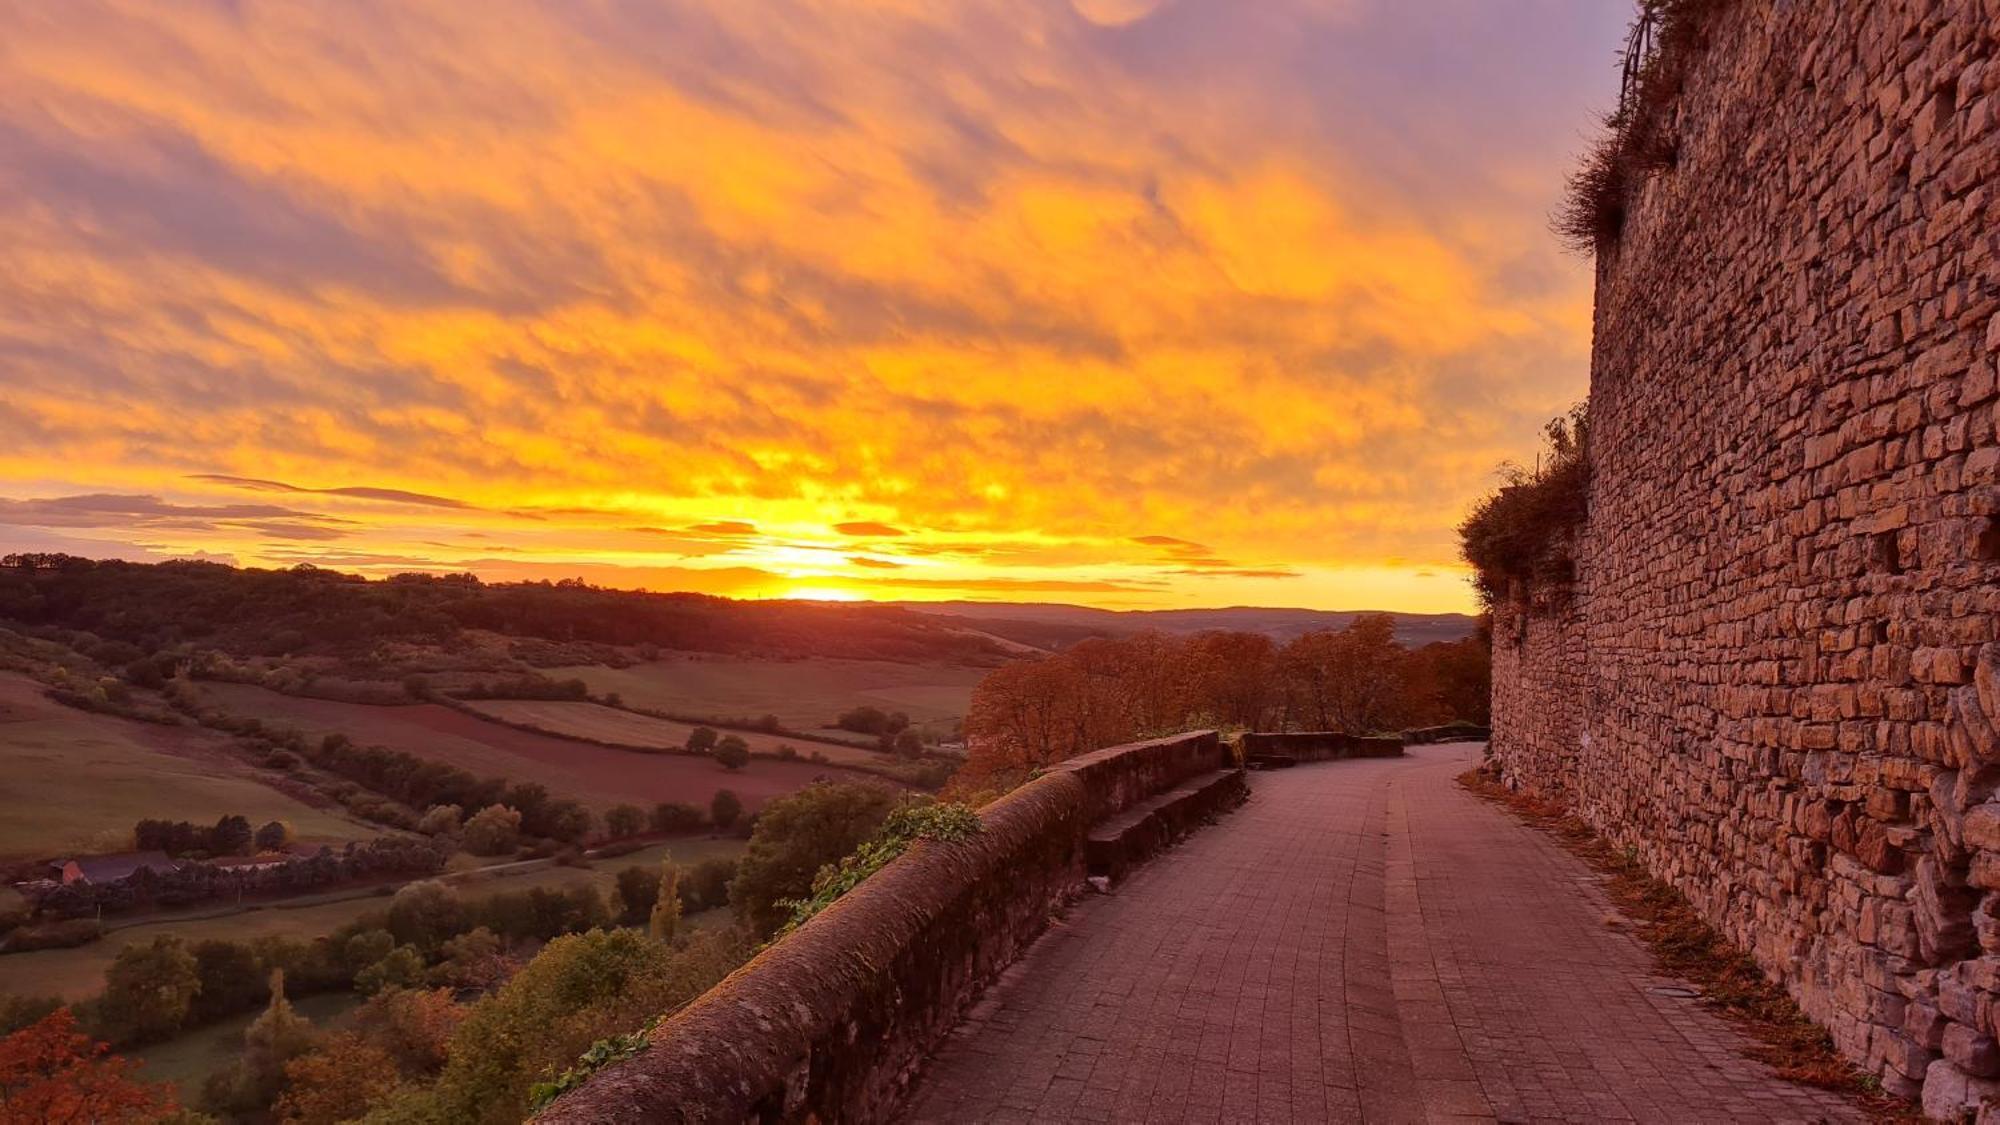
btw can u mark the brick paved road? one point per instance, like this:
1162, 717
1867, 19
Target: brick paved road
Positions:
1362, 941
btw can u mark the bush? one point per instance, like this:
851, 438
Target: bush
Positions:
403, 967
17, 1012
732, 753
440, 820
797, 835
624, 820
1520, 532
638, 890
905, 826
724, 808
65, 934
701, 739
493, 830
705, 886
674, 816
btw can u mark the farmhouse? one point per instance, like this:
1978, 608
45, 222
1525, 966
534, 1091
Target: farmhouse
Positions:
113, 868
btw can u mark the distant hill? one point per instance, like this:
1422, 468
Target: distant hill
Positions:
1050, 625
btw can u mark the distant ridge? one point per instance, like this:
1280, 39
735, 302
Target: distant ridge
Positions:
1054, 625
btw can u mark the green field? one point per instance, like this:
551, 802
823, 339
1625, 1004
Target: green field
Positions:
598, 723
77, 973
76, 781
803, 694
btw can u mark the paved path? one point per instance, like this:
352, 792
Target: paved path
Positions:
1362, 941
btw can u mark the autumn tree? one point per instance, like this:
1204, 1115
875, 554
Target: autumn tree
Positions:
413, 1025
341, 1080
148, 991
51, 1072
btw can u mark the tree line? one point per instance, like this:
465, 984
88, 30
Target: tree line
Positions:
248, 611
1104, 691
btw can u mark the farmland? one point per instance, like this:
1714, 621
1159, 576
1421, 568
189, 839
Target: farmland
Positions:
77, 780
803, 694
79, 972
596, 723
599, 776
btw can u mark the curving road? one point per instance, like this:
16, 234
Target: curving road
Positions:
1362, 941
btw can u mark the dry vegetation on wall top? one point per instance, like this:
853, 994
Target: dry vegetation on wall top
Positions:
1639, 136
1520, 533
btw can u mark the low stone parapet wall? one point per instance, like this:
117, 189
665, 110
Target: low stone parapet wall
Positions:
1317, 746
1453, 732
831, 1022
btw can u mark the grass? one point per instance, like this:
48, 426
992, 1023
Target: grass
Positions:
75, 780
76, 973
1687, 947
803, 694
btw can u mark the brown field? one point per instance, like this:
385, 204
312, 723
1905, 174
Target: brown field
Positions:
77, 973
803, 694
609, 724
599, 776
75, 780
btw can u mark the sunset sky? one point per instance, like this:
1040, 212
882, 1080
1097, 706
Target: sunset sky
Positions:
1132, 303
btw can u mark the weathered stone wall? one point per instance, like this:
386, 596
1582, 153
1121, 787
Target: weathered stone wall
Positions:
1774, 674
830, 1023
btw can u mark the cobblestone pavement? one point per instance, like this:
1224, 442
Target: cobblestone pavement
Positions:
1362, 941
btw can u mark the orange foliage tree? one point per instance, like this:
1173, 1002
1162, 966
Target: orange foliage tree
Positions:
1104, 691
53, 1074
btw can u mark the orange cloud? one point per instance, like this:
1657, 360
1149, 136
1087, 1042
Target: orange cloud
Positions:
1030, 283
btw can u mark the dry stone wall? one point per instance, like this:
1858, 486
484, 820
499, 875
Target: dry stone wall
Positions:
1775, 672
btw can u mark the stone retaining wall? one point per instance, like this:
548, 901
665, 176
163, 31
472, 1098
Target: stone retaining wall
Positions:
832, 1022
1774, 675
1317, 746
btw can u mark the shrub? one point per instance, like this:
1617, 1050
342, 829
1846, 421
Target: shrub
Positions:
1520, 532
796, 836
440, 820
493, 830
905, 826
705, 886
733, 753
65, 934
403, 967
724, 808
624, 820
701, 739
17, 1012
148, 991
1637, 140
674, 816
